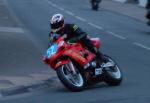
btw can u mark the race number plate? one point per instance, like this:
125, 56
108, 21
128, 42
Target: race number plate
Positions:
52, 50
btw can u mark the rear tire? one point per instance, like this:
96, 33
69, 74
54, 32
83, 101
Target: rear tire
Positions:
113, 75
74, 83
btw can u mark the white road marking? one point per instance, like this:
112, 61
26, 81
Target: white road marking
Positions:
60, 8
49, 2
70, 13
54, 5
96, 26
11, 29
79, 18
141, 45
116, 35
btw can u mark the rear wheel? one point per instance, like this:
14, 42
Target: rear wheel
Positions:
113, 73
74, 81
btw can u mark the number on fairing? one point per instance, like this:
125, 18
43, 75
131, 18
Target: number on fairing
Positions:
52, 50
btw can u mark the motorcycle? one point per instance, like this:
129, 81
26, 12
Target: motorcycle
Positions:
148, 12
148, 17
77, 67
95, 4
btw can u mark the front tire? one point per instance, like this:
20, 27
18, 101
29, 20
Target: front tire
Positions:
113, 75
73, 82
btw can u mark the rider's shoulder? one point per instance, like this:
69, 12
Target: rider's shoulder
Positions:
70, 24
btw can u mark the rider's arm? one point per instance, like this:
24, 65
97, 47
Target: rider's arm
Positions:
79, 34
83, 38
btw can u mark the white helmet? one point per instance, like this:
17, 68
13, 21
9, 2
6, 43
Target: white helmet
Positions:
57, 23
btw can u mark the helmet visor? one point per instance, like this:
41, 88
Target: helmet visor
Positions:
56, 25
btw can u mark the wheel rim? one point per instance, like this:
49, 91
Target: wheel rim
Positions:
75, 79
114, 71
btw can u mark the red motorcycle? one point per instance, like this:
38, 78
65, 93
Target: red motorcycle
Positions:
77, 67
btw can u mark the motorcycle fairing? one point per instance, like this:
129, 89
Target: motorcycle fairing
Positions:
60, 63
74, 54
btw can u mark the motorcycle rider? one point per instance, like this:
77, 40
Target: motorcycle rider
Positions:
95, 4
72, 33
148, 12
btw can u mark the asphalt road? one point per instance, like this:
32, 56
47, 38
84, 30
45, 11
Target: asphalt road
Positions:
19, 54
123, 38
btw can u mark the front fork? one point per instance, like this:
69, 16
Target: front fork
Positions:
71, 67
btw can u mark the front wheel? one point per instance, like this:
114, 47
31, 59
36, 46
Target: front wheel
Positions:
74, 81
113, 74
